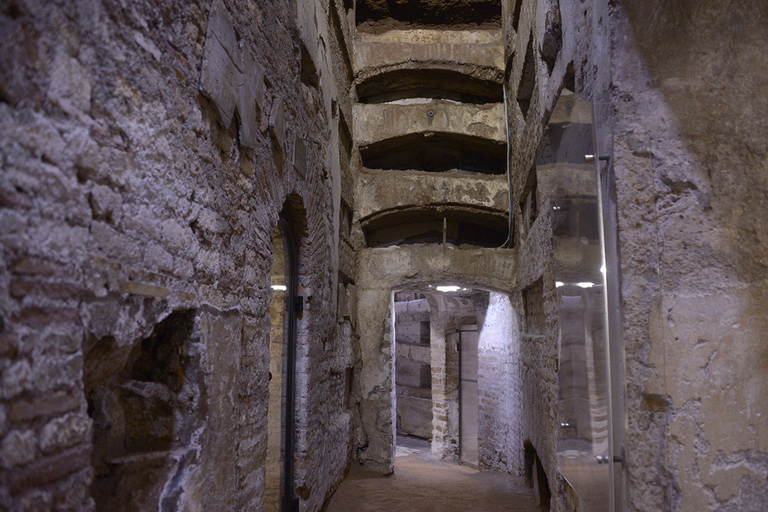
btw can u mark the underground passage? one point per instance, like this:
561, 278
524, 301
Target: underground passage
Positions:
375, 255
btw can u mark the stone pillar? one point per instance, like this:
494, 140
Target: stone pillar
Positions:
376, 378
439, 391
499, 386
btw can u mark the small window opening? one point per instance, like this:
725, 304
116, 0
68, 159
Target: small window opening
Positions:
527, 80
308, 70
533, 306
552, 41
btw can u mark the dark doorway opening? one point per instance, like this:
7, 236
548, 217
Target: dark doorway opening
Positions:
283, 308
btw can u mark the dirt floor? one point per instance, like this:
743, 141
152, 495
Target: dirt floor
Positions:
422, 483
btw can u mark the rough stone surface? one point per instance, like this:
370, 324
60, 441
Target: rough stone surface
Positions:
141, 179
149, 147
481, 59
499, 385
691, 178
18, 448
690, 279
381, 191
63, 432
374, 123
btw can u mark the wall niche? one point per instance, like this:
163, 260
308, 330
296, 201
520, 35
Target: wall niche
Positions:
143, 416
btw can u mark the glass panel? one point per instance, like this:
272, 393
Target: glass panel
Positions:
567, 182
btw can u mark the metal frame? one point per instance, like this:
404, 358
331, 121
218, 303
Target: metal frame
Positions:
293, 306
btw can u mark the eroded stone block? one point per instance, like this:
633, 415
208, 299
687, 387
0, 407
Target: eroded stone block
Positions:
18, 448
231, 77
64, 432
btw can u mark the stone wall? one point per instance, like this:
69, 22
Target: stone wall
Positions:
499, 385
413, 374
689, 110
550, 44
142, 181
677, 90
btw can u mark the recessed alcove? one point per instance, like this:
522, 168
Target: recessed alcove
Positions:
527, 80
454, 225
377, 15
141, 413
434, 83
436, 152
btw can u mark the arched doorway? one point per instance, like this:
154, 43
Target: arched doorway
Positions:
450, 346
278, 493
384, 270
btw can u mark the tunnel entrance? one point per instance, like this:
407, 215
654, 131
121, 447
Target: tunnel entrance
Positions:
452, 345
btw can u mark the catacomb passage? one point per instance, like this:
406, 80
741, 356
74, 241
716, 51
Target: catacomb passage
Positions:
281, 255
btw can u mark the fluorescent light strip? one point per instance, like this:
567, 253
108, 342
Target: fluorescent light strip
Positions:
584, 284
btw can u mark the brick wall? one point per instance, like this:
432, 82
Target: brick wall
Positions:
128, 195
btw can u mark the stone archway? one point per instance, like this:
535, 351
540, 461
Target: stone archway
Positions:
380, 271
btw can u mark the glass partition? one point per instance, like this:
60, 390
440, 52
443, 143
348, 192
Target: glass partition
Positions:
567, 181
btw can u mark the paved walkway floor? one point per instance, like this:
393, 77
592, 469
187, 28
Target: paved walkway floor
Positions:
422, 483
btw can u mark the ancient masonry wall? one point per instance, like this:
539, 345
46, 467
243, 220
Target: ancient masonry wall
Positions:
499, 385
140, 190
413, 375
678, 92
689, 106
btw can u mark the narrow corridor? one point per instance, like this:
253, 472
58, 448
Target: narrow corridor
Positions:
245, 244
422, 483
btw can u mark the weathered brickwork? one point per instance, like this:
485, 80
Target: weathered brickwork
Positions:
149, 147
500, 385
130, 193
